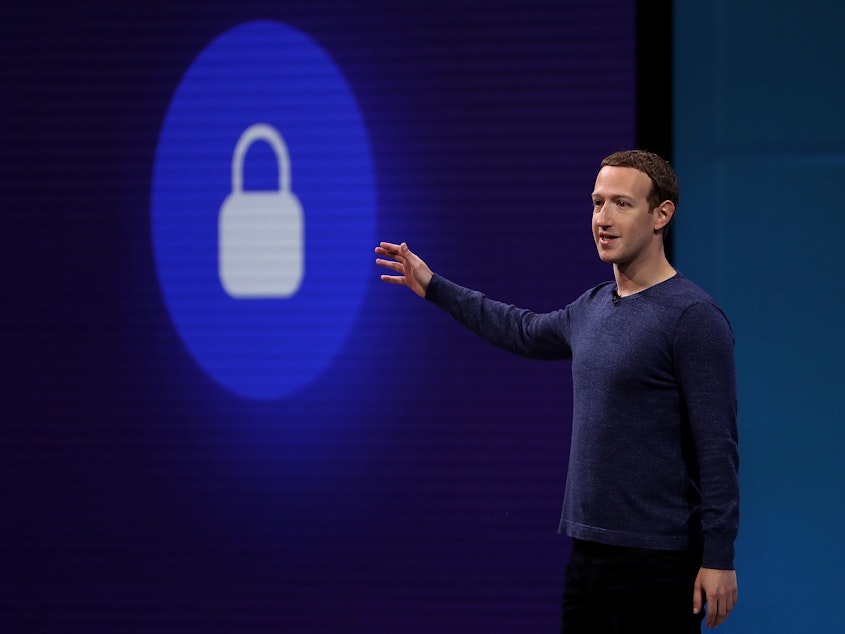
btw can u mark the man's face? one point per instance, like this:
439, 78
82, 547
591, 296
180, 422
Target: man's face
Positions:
623, 225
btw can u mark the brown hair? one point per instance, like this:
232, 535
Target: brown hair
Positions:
664, 183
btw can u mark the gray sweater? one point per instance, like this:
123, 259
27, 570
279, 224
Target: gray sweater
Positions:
653, 460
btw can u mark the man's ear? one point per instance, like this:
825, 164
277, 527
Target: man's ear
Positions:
664, 212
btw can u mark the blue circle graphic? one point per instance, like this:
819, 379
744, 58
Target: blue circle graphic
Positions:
268, 345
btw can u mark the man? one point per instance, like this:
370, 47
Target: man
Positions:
652, 494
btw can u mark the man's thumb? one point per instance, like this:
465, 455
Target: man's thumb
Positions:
697, 598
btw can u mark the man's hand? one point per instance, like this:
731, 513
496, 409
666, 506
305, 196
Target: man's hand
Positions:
718, 588
413, 272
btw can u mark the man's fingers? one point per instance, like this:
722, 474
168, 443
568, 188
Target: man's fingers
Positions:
712, 614
393, 257
385, 253
389, 249
394, 279
391, 264
393, 250
410, 270
717, 613
719, 609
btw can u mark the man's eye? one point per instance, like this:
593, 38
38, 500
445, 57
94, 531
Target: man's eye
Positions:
623, 204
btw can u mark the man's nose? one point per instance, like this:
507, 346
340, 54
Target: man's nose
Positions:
603, 215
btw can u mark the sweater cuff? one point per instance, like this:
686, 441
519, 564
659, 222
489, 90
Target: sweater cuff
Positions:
435, 289
718, 555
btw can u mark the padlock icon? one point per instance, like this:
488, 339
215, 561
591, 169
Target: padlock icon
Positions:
261, 233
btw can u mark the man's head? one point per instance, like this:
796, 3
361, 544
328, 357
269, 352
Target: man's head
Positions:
633, 204
664, 183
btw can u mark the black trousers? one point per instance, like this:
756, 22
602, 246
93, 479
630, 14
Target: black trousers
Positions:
615, 590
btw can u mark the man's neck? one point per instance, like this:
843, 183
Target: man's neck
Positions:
635, 277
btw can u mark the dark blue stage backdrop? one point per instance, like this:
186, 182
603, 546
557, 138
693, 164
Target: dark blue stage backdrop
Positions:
215, 417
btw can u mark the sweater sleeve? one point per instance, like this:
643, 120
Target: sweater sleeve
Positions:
517, 330
704, 361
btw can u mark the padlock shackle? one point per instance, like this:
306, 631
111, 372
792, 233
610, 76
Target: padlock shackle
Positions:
260, 132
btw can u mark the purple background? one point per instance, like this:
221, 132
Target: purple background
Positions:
416, 485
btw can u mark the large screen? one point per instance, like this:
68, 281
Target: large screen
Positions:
215, 416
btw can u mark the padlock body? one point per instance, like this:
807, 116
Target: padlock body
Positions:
261, 238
